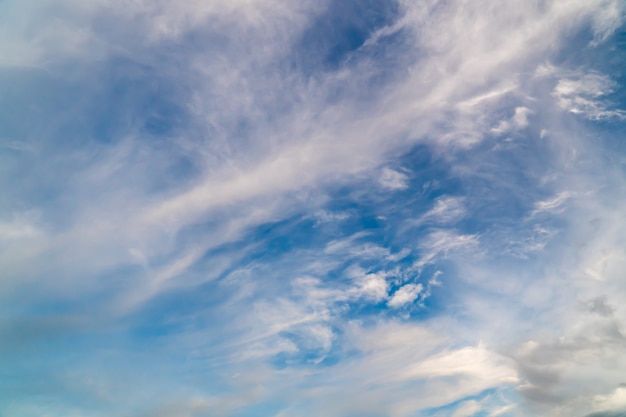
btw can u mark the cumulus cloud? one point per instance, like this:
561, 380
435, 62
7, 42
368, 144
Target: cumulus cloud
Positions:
370, 286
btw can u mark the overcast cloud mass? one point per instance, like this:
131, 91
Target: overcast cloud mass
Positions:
304, 208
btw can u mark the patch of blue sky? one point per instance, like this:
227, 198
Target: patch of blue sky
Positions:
484, 404
339, 31
351, 35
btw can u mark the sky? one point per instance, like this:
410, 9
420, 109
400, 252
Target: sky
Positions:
342, 208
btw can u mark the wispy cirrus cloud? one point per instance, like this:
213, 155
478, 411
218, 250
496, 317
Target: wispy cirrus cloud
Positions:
264, 208
579, 94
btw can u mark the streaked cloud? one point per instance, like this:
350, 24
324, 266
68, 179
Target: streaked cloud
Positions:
312, 208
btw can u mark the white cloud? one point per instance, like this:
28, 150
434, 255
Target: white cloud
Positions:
264, 144
614, 401
580, 93
372, 286
393, 180
474, 360
552, 204
442, 243
502, 410
520, 118
323, 216
609, 18
467, 409
396, 360
404, 295
399, 255
517, 122
23, 226
446, 210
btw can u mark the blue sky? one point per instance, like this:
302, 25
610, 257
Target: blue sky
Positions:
312, 208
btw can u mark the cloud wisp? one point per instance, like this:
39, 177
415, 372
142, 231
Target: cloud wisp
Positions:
312, 208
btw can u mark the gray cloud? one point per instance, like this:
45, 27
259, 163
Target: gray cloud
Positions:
607, 414
600, 305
